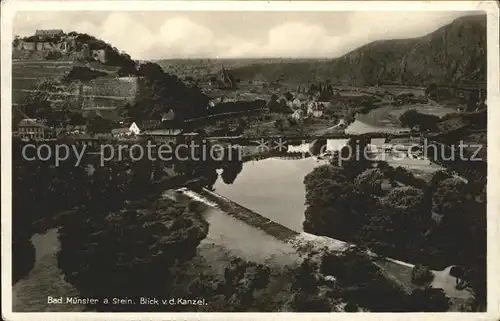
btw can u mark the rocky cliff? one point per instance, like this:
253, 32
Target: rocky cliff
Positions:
455, 53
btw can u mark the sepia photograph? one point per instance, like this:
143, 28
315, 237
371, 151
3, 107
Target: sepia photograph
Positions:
247, 160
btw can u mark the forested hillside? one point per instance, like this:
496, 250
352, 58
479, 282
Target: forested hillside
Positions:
455, 53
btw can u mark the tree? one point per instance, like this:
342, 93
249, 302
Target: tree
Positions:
76, 119
370, 181
430, 189
402, 175
23, 255
278, 124
83, 74
412, 118
317, 146
361, 282
473, 100
396, 226
231, 171
305, 280
432, 91
409, 119
304, 302
327, 172
150, 70
99, 125
429, 300
128, 254
408, 202
354, 156
333, 207
421, 275
349, 117
273, 104
450, 197
162, 92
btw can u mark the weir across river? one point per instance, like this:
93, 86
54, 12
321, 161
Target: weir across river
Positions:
277, 230
250, 217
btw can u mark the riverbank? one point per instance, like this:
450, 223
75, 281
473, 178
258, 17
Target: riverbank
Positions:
45, 279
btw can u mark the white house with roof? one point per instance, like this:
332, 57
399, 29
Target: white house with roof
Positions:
298, 114
134, 129
32, 129
120, 132
296, 103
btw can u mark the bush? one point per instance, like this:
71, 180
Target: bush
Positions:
129, 253
370, 181
429, 300
305, 302
53, 55
421, 275
23, 258
457, 272
351, 307
84, 74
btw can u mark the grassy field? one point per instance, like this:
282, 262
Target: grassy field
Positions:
389, 115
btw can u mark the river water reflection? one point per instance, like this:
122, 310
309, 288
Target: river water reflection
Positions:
272, 187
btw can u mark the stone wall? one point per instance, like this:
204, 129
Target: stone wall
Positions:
38, 50
118, 87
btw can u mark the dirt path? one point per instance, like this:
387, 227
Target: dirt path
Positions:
327, 130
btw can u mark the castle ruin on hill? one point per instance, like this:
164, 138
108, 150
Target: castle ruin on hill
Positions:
54, 44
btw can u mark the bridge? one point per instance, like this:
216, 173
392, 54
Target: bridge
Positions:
252, 140
240, 140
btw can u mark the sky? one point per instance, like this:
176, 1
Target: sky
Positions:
167, 35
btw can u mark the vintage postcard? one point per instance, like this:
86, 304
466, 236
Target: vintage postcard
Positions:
199, 157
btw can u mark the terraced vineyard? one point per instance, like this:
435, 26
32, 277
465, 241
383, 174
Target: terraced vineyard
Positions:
108, 91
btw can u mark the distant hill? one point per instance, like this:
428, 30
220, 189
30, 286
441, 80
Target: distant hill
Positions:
455, 53
208, 67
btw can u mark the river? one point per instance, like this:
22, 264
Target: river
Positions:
274, 187
359, 127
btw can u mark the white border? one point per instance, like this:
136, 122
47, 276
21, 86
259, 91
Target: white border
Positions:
490, 7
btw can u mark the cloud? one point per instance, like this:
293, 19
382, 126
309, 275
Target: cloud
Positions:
179, 35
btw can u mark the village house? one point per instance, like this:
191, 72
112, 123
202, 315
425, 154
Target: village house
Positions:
296, 103
32, 129
79, 129
99, 55
315, 109
132, 130
164, 135
298, 114
148, 124
168, 117
121, 132
388, 96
